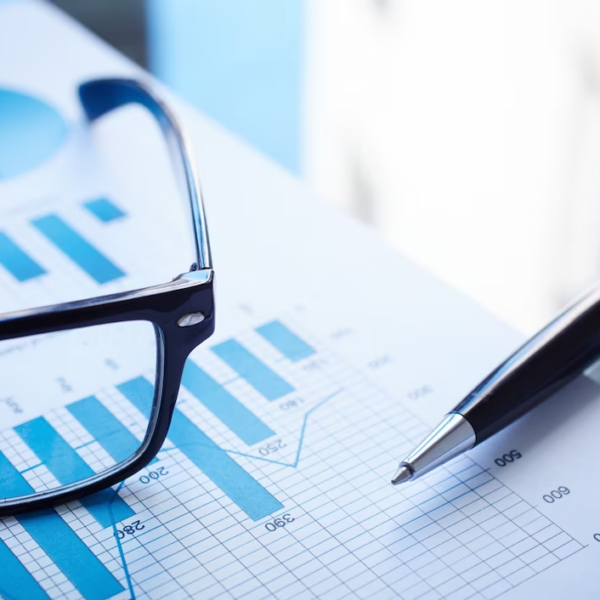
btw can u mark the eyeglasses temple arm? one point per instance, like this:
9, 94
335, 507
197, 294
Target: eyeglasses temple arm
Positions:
101, 96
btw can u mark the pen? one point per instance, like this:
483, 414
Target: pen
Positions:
544, 364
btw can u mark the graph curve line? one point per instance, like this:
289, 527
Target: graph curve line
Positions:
118, 541
296, 461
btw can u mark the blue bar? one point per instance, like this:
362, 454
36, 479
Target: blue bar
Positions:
221, 469
66, 550
214, 462
104, 210
15, 580
243, 422
68, 467
78, 249
105, 428
254, 371
64, 547
16, 262
286, 341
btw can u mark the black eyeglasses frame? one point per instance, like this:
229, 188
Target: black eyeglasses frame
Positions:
182, 311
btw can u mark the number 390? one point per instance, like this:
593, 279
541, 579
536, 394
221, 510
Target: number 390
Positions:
279, 522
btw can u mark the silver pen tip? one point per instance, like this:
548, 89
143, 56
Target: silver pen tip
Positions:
403, 474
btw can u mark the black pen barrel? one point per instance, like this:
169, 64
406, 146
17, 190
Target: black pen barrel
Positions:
547, 362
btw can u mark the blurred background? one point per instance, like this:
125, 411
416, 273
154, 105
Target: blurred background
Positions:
466, 132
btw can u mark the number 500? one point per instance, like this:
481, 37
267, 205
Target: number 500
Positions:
508, 458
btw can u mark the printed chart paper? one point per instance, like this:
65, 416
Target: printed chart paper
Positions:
332, 358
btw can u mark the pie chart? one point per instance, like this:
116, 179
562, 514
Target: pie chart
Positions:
31, 131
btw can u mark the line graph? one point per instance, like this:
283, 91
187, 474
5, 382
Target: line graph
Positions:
469, 485
296, 461
314, 503
294, 464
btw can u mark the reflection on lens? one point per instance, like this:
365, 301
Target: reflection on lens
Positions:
63, 417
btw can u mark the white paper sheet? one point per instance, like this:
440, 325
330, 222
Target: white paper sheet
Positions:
387, 349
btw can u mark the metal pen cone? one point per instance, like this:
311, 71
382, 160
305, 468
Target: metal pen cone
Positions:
403, 474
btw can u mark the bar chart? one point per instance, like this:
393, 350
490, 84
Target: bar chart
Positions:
60, 543
64, 463
56, 229
58, 458
239, 486
243, 422
244, 458
68, 467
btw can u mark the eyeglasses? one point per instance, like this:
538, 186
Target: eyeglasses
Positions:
142, 338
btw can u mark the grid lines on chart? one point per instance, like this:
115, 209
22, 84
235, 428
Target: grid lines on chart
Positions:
460, 531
